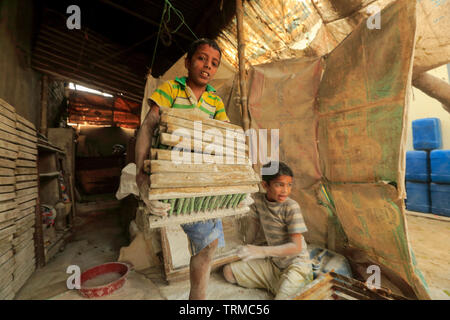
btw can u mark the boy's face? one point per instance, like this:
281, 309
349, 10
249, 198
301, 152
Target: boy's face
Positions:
278, 189
203, 65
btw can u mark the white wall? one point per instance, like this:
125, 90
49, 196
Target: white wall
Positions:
423, 106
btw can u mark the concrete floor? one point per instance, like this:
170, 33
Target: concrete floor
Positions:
99, 238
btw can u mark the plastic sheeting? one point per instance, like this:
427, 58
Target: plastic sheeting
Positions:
341, 123
283, 29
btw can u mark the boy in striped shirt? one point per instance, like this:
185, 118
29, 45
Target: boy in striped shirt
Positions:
283, 265
189, 92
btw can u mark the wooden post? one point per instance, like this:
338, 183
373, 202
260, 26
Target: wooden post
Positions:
241, 57
434, 87
44, 101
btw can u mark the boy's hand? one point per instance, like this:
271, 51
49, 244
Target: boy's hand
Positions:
158, 208
250, 252
246, 202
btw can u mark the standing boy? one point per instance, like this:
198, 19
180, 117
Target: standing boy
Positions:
189, 92
283, 266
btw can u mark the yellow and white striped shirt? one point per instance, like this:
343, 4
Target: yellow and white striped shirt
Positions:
176, 94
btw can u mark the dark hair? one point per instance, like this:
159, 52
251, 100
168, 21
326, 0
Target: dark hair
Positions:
197, 43
283, 170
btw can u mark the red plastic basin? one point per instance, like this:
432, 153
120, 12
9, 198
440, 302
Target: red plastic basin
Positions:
107, 288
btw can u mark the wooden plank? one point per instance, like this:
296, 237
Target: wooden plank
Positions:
5, 163
29, 150
158, 221
8, 113
180, 180
28, 191
176, 193
164, 154
158, 166
26, 171
25, 205
26, 198
27, 177
24, 185
6, 172
8, 129
24, 128
8, 154
201, 146
30, 137
7, 231
9, 146
179, 125
7, 205
8, 122
26, 163
27, 143
6, 105
7, 196
7, 180
9, 137
8, 215
195, 115
26, 212
25, 122
8, 188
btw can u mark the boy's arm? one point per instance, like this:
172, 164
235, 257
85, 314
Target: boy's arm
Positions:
293, 247
143, 144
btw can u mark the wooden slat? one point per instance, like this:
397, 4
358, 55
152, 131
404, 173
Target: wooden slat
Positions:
6, 172
26, 143
7, 113
167, 121
7, 105
24, 185
158, 222
188, 127
24, 192
195, 115
7, 180
9, 137
26, 205
26, 198
9, 146
25, 149
25, 122
176, 193
27, 177
8, 154
169, 166
26, 156
8, 188
24, 128
8, 122
7, 196
186, 143
26, 163
6, 163
25, 171
8, 129
8, 215
177, 180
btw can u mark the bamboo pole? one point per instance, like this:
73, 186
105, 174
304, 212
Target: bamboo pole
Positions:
241, 57
44, 99
435, 88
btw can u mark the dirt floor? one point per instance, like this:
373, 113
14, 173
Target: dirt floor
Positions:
99, 237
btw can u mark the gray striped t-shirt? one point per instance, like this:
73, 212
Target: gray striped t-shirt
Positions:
278, 220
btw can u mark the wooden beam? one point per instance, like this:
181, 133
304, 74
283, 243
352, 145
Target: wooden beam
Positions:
160, 166
434, 87
176, 180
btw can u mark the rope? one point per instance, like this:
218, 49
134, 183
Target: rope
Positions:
168, 7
